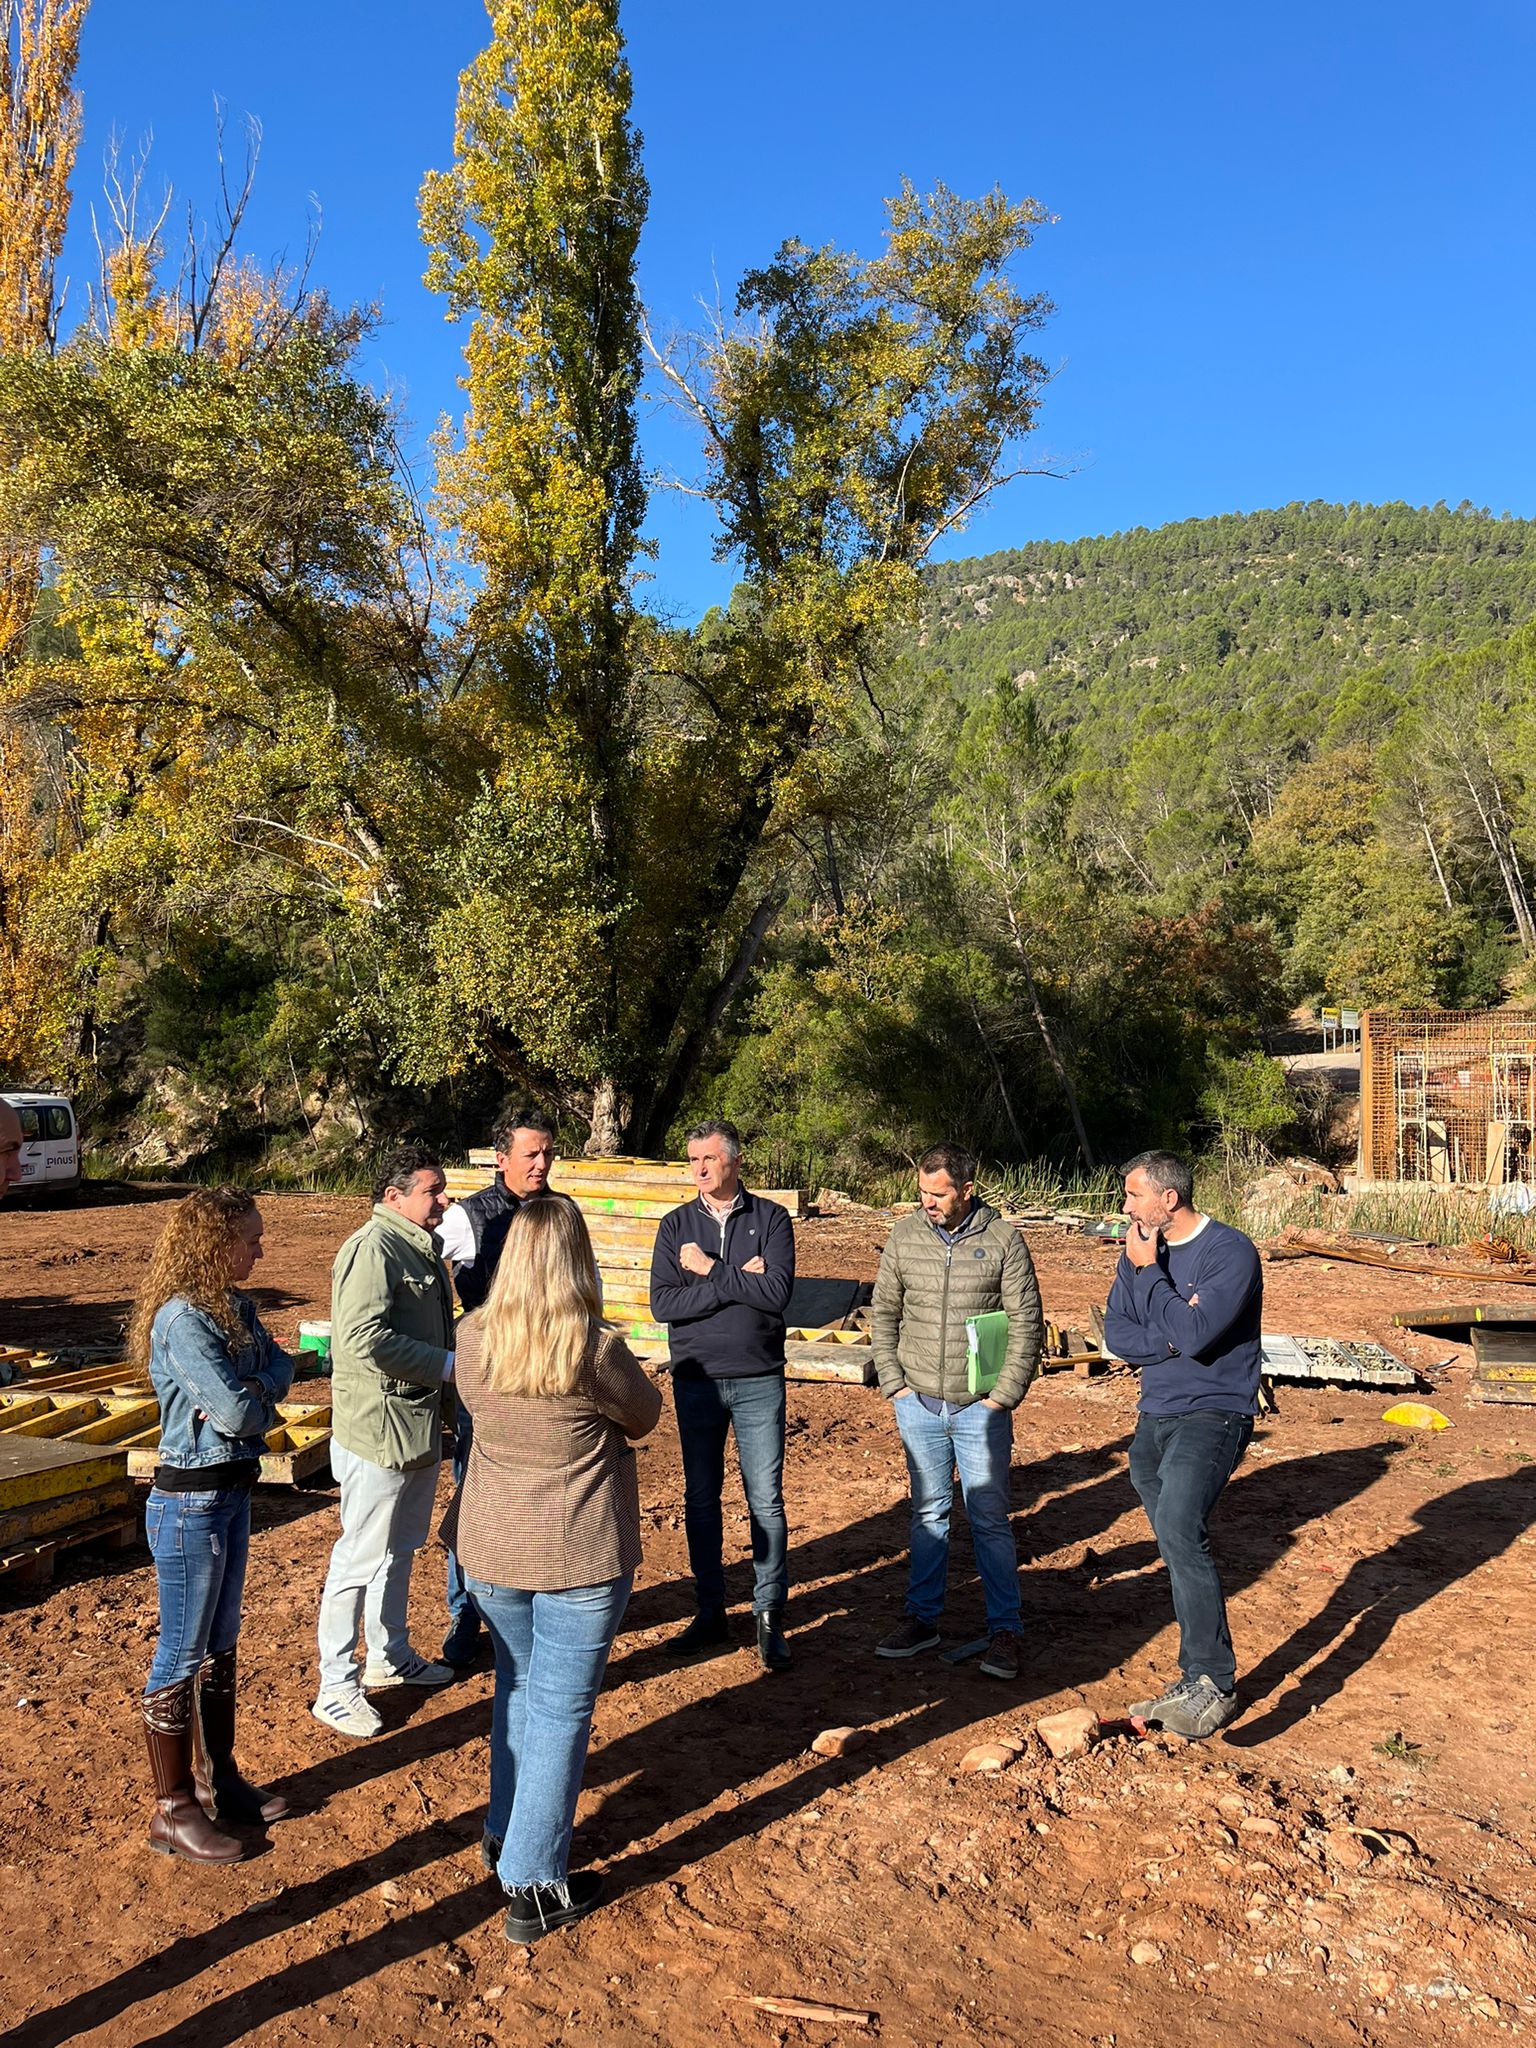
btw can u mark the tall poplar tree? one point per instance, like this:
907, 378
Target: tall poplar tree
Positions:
39, 135
533, 233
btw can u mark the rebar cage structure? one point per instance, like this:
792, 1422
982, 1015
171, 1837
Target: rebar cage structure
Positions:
1448, 1097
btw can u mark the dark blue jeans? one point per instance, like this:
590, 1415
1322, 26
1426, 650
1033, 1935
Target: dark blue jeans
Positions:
1179, 1465
199, 1542
707, 1411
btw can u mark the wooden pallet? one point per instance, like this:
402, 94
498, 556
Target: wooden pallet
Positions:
32, 1563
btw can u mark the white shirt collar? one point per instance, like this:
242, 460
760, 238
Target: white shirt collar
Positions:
1176, 1245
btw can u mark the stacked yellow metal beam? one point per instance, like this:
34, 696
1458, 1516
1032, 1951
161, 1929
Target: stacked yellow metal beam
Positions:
110, 1405
623, 1200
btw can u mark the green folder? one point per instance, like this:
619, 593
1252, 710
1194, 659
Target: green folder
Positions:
986, 1339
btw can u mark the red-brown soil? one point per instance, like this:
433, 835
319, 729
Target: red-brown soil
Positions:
1382, 1602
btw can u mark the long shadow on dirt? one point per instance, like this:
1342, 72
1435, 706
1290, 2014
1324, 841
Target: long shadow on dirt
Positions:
1457, 1532
1082, 1622
735, 1761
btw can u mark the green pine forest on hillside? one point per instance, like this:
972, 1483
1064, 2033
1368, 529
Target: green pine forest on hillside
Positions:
337, 802
1129, 799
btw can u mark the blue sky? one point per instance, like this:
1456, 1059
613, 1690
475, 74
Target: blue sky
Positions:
1293, 258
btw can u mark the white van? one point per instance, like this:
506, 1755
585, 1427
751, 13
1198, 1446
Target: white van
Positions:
50, 1141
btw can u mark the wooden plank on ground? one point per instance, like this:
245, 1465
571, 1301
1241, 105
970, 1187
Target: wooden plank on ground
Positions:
1322, 1244
90, 1379
32, 1563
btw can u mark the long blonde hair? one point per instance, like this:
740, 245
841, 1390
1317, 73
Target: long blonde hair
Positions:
191, 1259
544, 1314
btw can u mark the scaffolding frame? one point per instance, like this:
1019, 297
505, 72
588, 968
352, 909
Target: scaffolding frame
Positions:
1448, 1097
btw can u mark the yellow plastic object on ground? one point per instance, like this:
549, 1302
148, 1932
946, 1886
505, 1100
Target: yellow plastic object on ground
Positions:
1416, 1415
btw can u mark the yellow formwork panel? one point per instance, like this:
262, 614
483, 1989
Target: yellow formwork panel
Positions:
35, 1469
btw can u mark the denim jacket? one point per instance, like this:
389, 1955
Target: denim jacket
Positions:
207, 1417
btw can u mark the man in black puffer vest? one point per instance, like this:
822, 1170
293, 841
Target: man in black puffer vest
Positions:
473, 1232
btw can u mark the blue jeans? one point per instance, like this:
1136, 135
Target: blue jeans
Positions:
551, 1652
463, 1620
707, 1410
199, 1542
1179, 1465
977, 1440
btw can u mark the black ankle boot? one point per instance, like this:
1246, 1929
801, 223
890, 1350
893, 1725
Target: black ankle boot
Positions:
704, 1632
772, 1650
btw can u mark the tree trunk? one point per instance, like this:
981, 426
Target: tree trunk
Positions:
671, 983
1509, 873
668, 1098
997, 1071
1434, 858
1058, 1064
80, 1043
834, 877
607, 1121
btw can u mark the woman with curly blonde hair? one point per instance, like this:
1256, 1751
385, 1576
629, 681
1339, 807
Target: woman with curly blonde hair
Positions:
218, 1376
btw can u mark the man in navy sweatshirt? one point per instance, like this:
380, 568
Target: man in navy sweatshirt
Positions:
1186, 1308
721, 1277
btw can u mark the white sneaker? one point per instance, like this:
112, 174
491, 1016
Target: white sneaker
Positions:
348, 1713
417, 1670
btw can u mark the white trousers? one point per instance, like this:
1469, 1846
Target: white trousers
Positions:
385, 1519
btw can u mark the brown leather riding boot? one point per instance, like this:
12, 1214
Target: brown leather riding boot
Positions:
180, 1827
221, 1791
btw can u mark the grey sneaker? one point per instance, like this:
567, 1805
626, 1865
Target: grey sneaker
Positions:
1002, 1657
1152, 1710
913, 1636
1201, 1711
417, 1670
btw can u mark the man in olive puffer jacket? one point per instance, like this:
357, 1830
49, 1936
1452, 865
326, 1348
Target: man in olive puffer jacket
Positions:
953, 1259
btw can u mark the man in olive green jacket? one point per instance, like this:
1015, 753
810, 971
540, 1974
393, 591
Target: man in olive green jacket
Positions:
391, 1354
953, 1259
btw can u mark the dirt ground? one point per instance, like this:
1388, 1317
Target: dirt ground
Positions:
1350, 1862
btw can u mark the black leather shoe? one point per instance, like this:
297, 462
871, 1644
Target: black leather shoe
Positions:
772, 1650
704, 1632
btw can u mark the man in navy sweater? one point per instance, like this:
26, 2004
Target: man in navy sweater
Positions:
721, 1277
1186, 1308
